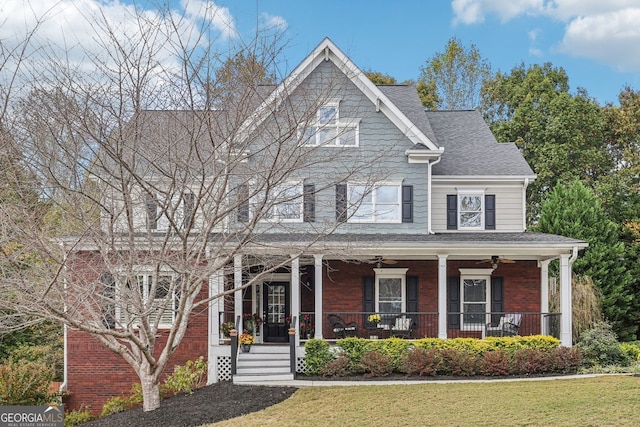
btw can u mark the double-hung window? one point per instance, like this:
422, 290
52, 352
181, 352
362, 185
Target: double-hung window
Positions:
382, 203
471, 210
150, 295
165, 213
475, 290
390, 291
328, 129
285, 203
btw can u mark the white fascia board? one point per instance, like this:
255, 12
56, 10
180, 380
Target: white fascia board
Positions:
326, 51
480, 179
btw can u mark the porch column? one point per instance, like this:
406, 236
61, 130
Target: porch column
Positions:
442, 296
318, 295
544, 295
295, 293
216, 287
237, 284
565, 301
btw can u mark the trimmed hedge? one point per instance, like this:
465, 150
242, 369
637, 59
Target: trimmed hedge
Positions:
495, 356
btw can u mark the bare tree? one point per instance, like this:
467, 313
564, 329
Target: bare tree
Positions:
157, 170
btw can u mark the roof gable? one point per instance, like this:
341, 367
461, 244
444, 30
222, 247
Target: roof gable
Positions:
328, 51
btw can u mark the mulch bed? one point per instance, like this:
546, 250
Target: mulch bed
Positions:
217, 402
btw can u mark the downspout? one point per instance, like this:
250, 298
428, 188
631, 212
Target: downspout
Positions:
63, 386
429, 166
524, 204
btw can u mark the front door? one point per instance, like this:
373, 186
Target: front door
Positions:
276, 310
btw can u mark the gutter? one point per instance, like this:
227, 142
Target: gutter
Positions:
524, 204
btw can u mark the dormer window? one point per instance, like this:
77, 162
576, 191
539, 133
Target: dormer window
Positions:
471, 210
329, 130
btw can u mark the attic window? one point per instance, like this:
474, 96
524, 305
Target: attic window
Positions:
329, 130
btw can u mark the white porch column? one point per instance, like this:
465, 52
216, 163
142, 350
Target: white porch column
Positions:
565, 301
544, 295
295, 293
237, 284
318, 295
442, 296
216, 287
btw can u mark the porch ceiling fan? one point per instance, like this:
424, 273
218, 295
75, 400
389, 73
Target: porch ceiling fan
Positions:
380, 260
495, 260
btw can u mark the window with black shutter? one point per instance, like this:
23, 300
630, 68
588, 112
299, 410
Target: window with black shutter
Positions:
341, 203
407, 203
309, 202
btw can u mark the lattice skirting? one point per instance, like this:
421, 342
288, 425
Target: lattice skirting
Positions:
223, 364
301, 365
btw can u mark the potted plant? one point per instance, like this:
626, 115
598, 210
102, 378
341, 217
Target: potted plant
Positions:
226, 328
374, 318
245, 341
307, 328
251, 322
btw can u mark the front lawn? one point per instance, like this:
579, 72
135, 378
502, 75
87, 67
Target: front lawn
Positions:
601, 401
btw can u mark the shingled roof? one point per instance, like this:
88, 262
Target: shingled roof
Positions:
471, 149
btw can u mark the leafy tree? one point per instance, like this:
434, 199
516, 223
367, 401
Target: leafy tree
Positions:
560, 134
379, 78
573, 210
457, 75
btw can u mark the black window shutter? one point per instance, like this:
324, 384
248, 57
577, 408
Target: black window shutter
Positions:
108, 304
452, 212
453, 301
152, 211
407, 203
490, 212
189, 200
309, 203
497, 297
242, 195
368, 295
412, 298
341, 202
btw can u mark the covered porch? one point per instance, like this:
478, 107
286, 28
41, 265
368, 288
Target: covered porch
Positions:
446, 286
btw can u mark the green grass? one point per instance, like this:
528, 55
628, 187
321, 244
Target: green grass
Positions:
602, 401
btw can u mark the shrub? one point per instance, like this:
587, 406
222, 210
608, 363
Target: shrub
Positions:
317, 354
397, 348
430, 343
564, 360
421, 361
472, 345
600, 346
354, 347
530, 361
631, 351
115, 405
188, 377
23, 382
376, 364
339, 367
496, 363
458, 362
76, 417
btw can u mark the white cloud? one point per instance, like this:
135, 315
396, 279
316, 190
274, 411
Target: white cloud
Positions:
270, 22
610, 38
534, 35
605, 31
220, 17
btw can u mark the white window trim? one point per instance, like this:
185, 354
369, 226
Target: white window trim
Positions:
145, 273
391, 273
341, 125
471, 192
353, 208
162, 222
475, 274
289, 184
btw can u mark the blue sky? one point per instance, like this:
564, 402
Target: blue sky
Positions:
596, 41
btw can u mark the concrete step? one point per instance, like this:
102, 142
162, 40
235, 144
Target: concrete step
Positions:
262, 363
262, 370
257, 379
268, 349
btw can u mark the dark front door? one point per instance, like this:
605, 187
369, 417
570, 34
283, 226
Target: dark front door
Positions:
276, 310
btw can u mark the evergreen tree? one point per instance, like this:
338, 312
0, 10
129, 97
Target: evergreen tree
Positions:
574, 211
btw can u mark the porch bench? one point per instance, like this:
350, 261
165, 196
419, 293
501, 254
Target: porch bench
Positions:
508, 325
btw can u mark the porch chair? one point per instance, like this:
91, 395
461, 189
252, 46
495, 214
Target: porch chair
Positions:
506, 327
402, 327
342, 329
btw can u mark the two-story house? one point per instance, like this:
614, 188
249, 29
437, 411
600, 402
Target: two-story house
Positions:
418, 216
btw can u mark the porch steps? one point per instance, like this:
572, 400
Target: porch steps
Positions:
263, 363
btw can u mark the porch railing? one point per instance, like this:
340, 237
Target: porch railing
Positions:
425, 325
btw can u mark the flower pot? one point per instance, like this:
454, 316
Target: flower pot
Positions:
246, 348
